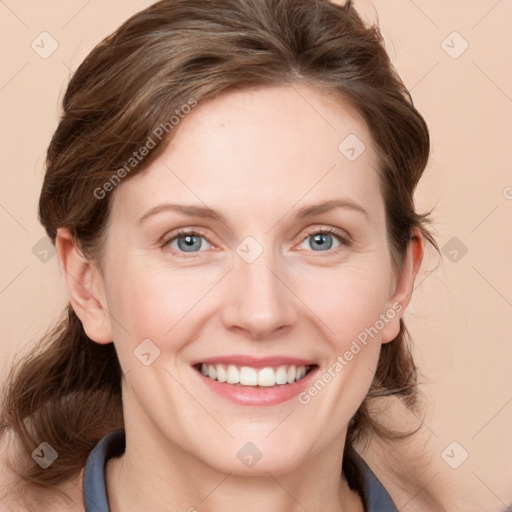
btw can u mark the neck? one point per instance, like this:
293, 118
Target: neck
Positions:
179, 481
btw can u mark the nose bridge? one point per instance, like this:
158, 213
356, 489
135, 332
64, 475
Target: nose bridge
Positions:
259, 300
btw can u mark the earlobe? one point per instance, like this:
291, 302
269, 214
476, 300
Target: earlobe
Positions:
402, 294
85, 287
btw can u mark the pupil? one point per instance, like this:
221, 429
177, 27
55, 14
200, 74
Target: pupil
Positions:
187, 242
321, 240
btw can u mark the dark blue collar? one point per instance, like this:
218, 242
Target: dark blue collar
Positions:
113, 444
95, 494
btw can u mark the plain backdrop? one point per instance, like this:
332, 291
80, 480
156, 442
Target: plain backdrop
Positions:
455, 58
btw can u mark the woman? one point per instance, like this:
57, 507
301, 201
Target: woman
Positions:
230, 192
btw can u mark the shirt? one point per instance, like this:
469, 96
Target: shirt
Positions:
113, 444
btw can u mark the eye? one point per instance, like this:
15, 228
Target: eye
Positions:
323, 240
320, 240
186, 241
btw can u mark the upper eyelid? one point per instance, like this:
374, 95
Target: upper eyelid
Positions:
342, 234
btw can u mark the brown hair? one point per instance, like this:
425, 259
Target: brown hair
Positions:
67, 392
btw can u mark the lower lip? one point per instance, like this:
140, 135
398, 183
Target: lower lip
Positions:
257, 395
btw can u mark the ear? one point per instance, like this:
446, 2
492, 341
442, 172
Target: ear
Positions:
85, 286
401, 296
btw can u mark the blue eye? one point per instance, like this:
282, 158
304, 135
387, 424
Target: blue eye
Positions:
323, 240
188, 241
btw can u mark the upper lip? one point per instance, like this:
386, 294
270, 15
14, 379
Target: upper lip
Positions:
256, 362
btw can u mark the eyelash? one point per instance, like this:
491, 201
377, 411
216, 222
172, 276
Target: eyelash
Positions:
345, 240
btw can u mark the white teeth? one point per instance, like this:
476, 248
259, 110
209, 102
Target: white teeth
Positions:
281, 375
248, 376
266, 377
221, 373
292, 373
232, 375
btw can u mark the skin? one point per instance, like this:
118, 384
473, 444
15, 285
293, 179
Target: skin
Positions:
256, 156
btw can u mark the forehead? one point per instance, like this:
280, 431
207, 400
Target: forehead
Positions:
277, 146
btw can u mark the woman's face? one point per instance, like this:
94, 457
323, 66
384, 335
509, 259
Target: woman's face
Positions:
271, 277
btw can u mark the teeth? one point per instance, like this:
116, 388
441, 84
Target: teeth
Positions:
281, 375
247, 376
221, 373
266, 377
232, 375
292, 373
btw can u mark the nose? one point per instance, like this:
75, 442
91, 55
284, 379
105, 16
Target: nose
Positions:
260, 303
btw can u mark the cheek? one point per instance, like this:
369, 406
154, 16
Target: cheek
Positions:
347, 301
156, 302
168, 305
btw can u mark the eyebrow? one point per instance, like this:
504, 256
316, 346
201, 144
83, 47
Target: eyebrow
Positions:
205, 212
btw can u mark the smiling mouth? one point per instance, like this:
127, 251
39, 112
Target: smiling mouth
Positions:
257, 377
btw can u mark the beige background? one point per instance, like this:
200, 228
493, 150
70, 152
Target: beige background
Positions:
461, 315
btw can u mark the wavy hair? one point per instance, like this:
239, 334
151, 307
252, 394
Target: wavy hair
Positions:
67, 391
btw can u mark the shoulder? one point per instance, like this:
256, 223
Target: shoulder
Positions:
17, 496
